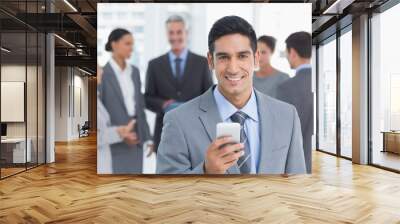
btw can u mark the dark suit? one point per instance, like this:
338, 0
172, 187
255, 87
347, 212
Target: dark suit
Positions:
127, 159
161, 85
297, 91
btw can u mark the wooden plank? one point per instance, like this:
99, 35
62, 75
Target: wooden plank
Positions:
70, 191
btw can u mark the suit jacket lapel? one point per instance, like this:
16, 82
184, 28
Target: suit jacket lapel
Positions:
266, 133
210, 118
168, 70
136, 97
115, 85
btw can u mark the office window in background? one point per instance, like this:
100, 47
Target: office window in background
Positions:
134, 20
346, 93
327, 96
143, 23
395, 101
385, 89
314, 90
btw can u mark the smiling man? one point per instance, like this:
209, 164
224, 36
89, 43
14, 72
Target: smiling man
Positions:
175, 77
271, 140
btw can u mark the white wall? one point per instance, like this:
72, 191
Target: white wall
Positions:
69, 85
61, 103
16, 73
79, 117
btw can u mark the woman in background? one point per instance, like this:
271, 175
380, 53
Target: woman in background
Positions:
267, 78
107, 134
120, 93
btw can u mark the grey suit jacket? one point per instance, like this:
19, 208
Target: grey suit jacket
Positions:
297, 91
125, 158
189, 130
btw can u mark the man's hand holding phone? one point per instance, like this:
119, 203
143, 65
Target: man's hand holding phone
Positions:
221, 155
225, 150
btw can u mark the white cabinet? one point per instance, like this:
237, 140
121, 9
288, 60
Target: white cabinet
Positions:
18, 149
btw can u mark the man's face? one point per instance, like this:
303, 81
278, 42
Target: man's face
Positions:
177, 35
234, 62
265, 53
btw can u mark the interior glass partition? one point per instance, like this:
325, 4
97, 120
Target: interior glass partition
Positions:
22, 77
15, 149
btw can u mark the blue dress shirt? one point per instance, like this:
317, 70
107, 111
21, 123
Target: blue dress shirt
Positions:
251, 125
182, 56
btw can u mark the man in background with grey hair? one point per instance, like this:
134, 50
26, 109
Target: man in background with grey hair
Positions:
175, 77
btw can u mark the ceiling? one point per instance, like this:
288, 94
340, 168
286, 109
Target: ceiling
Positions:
332, 15
76, 20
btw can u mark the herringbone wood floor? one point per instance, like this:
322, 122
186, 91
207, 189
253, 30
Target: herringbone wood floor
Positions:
69, 191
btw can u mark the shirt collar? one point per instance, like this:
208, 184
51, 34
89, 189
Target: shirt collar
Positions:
303, 66
226, 109
182, 56
116, 67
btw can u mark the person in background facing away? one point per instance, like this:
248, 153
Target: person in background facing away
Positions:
267, 78
121, 96
270, 141
107, 134
297, 90
175, 77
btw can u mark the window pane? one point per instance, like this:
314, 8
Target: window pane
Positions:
385, 114
327, 97
346, 94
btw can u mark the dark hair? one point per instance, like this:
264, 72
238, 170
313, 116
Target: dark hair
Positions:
270, 41
301, 43
231, 25
115, 35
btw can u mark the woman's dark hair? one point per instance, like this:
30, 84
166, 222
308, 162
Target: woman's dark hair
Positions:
231, 25
115, 35
270, 41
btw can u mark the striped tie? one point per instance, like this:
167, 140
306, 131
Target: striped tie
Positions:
244, 161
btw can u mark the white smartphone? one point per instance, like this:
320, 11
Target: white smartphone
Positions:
229, 129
